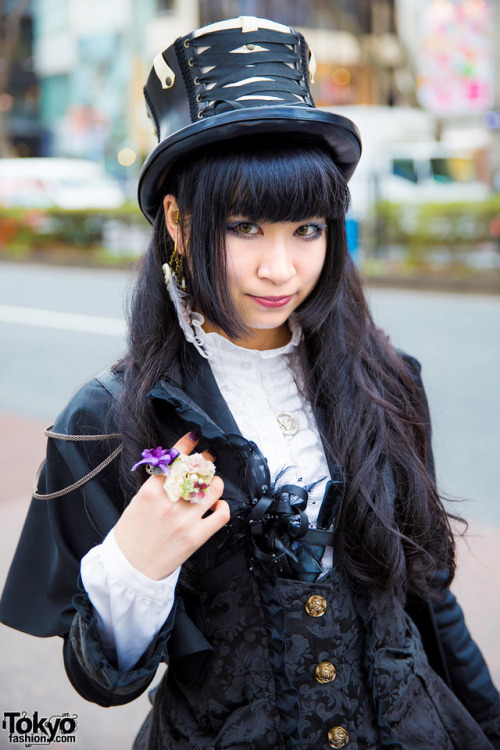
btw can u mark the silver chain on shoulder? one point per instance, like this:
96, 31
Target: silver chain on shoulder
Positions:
76, 439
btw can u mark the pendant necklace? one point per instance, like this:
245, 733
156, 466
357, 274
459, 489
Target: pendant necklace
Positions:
287, 422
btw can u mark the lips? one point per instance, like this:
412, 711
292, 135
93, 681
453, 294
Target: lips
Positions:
272, 301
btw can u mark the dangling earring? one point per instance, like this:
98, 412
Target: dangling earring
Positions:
176, 262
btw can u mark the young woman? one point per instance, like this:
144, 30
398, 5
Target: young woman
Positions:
302, 602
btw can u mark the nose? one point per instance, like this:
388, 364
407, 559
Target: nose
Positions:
277, 263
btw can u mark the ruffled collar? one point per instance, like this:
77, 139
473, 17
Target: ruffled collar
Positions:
212, 345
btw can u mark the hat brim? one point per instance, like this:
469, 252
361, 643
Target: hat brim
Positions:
339, 133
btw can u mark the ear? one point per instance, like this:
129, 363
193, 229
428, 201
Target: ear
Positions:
171, 217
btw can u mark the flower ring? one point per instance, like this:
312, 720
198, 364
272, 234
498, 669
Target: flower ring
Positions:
186, 477
157, 460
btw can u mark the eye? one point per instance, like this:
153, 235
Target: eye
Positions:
310, 231
243, 227
246, 228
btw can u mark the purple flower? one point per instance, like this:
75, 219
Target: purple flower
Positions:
157, 460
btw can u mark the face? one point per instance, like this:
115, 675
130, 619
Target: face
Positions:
272, 269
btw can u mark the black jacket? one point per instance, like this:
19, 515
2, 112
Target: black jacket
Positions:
42, 595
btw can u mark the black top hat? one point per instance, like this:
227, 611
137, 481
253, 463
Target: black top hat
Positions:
246, 76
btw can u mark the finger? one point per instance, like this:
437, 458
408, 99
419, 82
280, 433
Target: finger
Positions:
187, 442
153, 488
217, 519
209, 455
206, 503
215, 490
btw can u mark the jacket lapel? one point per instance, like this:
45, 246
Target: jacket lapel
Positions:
197, 402
202, 388
196, 391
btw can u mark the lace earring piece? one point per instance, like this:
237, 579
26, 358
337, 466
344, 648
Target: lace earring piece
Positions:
176, 262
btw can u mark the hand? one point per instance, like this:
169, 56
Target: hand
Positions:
157, 535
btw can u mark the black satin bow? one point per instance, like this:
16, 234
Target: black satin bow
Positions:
279, 529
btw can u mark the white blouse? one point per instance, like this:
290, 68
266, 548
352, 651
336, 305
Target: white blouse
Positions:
257, 386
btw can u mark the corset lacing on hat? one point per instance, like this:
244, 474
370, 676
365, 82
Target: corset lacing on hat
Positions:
269, 56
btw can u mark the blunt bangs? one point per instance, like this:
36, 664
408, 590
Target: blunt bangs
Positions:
267, 181
287, 186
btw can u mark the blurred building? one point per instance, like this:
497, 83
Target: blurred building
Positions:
355, 42
92, 58
20, 131
454, 54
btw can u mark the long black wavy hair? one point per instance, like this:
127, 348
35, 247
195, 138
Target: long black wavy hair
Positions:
392, 531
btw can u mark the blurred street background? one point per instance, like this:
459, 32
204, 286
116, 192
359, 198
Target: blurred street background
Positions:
421, 78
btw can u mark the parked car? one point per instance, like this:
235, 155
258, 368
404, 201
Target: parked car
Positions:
403, 163
48, 182
428, 173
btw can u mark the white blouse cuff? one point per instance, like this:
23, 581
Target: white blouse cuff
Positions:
124, 573
130, 607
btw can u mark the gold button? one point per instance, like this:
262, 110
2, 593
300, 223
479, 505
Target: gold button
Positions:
338, 737
316, 606
325, 672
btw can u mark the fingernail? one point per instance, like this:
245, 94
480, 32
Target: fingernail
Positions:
194, 436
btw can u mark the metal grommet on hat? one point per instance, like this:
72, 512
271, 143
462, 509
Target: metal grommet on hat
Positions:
237, 78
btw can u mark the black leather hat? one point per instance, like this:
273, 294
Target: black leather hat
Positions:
238, 78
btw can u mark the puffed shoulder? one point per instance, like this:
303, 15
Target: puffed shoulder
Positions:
66, 517
90, 411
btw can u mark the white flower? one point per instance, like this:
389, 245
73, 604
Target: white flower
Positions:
189, 478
